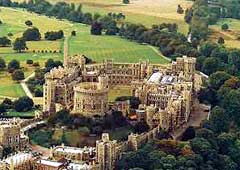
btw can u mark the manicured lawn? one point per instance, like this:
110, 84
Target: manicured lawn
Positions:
13, 113
8, 87
118, 91
103, 47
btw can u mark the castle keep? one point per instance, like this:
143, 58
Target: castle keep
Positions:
165, 91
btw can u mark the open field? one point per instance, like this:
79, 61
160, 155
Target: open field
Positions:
147, 12
102, 47
230, 36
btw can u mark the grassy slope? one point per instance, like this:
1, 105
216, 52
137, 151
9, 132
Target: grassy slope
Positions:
147, 12
231, 35
101, 47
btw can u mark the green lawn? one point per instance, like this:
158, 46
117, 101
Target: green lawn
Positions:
103, 47
8, 87
13, 113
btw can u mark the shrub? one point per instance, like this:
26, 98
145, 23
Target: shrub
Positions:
38, 93
225, 27
28, 23
29, 61
36, 64
18, 75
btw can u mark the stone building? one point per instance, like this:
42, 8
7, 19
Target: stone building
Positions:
106, 152
11, 136
91, 98
19, 161
83, 88
60, 82
86, 154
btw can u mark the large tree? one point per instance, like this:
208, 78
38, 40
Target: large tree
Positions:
13, 65
18, 75
23, 104
19, 45
32, 34
219, 120
96, 28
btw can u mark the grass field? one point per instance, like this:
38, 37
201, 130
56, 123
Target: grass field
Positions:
147, 12
20, 114
230, 36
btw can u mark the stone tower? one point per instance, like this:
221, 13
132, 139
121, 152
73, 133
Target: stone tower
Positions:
106, 152
49, 93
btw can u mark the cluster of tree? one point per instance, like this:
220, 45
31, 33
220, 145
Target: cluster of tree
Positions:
60, 10
22, 104
96, 125
165, 36
19, 45
31, 34
225, 9
50, 64
5, 42
54, 35
205, 151
199, 18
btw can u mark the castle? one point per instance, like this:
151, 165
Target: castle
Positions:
165, 91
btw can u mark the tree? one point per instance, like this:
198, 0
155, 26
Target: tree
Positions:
210, 65
225, 27
206, 48
4, 42
38, 93
28, 23
2, 108
23, 104
32, 34
231, 104
18, 75
188, 134
96, 28
73, 33
29, 61
180, 10
2, 64
141, 127
50, 64
54, 35
219, 120
13, 65
217, 79
19, 45
126, 1
221, 40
